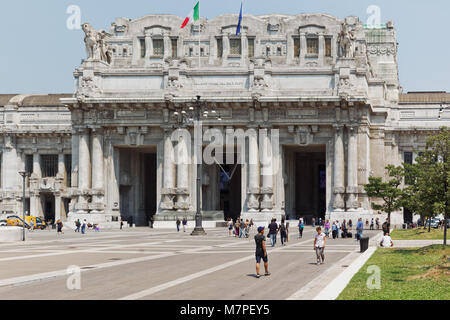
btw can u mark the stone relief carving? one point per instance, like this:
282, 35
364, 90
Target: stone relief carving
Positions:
382, 50
96, 44
346, 42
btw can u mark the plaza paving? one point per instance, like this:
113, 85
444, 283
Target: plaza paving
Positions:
143, 263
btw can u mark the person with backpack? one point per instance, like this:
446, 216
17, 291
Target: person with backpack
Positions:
283, 232
59, 225
273, 230
178, 222
301, 226
359, 229
77, 225
261, 252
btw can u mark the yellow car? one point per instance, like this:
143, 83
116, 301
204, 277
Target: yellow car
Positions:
30, 222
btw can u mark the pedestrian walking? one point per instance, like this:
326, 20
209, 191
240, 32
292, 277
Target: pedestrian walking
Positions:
78, 225
236, 227
350, 224
359, 229
301, 226
313, 222
338, 225
242, 228
261, 252
178, 222
247, 228
230, 226
344, 229
184, 224
385, 227
273, 230
121, 223
283, 233
319, 245
83, 227
320, 221
287, 231
59, 225
367, 223
371, 224
152, 221
334, 230
377, 222
327, 228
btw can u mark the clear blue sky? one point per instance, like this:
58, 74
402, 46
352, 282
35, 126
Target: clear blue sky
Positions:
38, 53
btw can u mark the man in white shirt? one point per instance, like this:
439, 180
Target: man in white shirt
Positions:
386, 241
319, 245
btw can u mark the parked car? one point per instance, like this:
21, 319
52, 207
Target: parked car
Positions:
435, 223
3, 223
18, 221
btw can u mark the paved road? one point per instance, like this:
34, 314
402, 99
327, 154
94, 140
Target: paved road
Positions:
144, 263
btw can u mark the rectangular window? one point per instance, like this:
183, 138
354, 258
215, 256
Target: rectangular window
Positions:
267, 51
174, 43
312, 46
408, 157
219, 47
29, 163
235, 47
327, 47
297, 47
251, 47
278, 51
158, 47
142, 45
49, 165
68, 165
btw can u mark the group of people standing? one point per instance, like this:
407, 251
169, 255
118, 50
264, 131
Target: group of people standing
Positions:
240, 228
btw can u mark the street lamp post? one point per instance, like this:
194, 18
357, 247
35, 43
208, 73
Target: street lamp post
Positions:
24, 174
188, 117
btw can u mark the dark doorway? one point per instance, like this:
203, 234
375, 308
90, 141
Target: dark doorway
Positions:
407, 216
48, 206
310, 185
230, 190
149, 182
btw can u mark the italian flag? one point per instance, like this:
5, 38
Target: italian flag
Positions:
194, 15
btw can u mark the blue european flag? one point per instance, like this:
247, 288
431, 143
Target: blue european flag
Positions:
238, 29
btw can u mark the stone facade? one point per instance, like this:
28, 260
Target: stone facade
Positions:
329, 86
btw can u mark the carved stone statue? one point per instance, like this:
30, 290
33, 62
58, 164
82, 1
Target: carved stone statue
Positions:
346, 41
96, 44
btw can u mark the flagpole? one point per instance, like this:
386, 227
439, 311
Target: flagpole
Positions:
199, 30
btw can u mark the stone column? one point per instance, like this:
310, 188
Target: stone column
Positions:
75, 145
167, 47
34, 185
303, 48
37, 165
168, 173
352, 168
339, 188
148, 47
321, 49
62, 168
290, 48
58, 204
84, 162
182, 174
97, 170
244, 48
226, 49
266, 172
253, 172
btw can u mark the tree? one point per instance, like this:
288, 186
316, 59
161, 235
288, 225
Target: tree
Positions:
389, 191
430, 193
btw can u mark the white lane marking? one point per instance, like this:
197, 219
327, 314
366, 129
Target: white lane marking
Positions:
60, 273
196, 275
66, 252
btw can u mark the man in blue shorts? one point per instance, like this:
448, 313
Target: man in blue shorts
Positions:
261, 252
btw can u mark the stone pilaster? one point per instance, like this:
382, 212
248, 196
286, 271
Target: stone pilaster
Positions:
266, 172
339, 188
168, 191
253, 173
352, 168
84, 162
97, 170
182, 174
